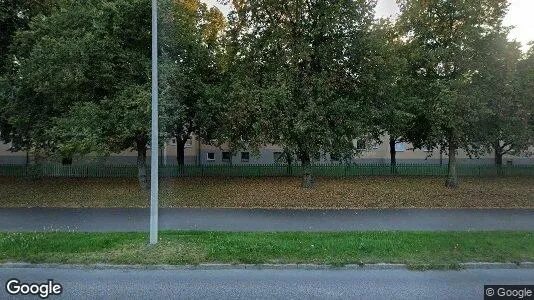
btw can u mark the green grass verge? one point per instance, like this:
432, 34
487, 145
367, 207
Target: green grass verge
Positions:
421, 250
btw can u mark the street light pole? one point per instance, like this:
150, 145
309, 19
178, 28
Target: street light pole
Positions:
154, 141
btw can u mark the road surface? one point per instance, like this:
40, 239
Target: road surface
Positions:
268, 284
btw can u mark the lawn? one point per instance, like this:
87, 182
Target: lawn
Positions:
430, 249
371, 192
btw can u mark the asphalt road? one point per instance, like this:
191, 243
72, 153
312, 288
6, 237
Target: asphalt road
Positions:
268, 284
48, 219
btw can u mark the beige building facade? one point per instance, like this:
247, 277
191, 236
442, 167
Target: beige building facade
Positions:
198, 153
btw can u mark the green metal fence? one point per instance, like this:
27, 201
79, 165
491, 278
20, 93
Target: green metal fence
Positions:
353, 170
69, 171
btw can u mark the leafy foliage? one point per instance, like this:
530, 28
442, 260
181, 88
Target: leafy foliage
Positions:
16, 15
309, 76
191, 68
83, 53
301, 75
80, 79
393, 105
504, 125
446, 38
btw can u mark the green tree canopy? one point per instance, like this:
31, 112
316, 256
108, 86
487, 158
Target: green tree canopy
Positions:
503, 127
301, 77
392, 106
445, 39
93, 53
191, 70
15, 15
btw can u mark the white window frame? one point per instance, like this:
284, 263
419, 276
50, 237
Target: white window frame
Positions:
208, 156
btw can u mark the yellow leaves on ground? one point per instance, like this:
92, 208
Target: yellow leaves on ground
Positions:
375, 192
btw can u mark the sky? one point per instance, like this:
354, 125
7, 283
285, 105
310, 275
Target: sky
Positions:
519, 15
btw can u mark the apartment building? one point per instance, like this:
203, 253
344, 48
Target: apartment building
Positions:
375, 153
196, 152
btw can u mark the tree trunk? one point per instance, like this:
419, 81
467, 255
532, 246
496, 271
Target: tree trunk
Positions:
141, 164
35, 170
180, 154
441, 155
393, 155
498, 154
452, 177
289, 161
308, 181
180, 151
498, 157
199, 151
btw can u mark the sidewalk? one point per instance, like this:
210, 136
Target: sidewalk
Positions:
120, 219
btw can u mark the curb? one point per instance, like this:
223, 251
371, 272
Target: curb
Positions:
377, 266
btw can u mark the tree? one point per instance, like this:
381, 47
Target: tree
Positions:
55, 64
191, 71
85, 60
524, 88
300, 75
504, 126
445, 37
391, 108
111, 125
15, 15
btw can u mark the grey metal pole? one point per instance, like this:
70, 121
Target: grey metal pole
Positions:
154, 155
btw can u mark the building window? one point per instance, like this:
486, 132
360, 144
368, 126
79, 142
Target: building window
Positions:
173, 141
188, 143
400, 147
375, 146
245, 156
509, 162
226, 156
210, 156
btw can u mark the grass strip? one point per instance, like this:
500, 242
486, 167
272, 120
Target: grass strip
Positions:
185, 247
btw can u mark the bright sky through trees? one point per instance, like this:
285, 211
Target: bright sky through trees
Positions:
519, 16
